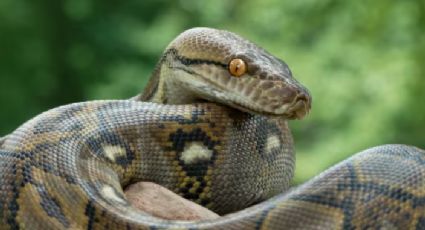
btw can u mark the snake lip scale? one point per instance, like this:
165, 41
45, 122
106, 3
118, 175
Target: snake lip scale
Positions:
205, 127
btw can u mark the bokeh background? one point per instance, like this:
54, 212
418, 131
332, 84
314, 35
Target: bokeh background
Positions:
363, 61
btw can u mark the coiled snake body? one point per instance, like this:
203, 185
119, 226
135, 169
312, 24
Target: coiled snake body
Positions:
213, 129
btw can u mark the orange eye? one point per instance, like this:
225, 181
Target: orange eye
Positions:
237, 67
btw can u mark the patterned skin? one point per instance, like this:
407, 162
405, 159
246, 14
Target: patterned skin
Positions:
65, 169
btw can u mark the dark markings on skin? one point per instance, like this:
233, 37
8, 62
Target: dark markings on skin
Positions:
152, 87
192, 72
90, 213
348, 210
24, 168
13, 208
416, 157
196, 113
264, 130
75, 127
27, 174
392, 193
33, 159
114, 105
8, 167
348, 206
19, 156
330, 198
41, 147
182, 120
197, 169
325, 198
51, 206
42, 127
189, 71
187, 61
152, 92
50, 124
109, 115
181, 138
108, 138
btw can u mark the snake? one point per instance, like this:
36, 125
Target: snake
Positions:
212, 126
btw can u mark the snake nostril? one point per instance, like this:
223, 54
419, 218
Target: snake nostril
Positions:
306, 99
303, 95
301, 104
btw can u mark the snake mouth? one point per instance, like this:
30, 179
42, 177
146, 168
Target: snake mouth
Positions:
290, 103
297, 110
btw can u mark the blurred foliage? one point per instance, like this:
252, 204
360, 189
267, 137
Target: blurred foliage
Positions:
363, 61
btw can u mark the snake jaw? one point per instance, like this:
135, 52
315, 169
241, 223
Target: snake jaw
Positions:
290, 102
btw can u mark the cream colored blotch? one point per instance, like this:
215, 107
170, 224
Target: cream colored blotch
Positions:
109, 193
194, 152
113, 151
272, 142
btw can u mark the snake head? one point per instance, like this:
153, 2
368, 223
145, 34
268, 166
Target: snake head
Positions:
220, 66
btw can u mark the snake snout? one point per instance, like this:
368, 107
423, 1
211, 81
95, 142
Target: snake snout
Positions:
294, 102
301, 104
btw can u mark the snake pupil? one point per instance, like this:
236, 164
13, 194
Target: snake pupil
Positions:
237, 67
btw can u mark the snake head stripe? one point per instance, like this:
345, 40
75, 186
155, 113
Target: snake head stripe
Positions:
196, 66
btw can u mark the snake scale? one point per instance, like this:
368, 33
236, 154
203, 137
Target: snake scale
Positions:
211, 125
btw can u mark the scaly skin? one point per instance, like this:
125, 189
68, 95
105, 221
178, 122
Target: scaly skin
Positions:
66, 167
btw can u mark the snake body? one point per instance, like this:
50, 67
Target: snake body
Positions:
214, 132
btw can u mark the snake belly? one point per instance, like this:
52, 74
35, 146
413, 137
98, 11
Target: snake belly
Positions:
65, 169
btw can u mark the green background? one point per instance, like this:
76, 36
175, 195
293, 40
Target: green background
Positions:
363, 61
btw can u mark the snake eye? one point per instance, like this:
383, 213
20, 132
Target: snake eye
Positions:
237, 67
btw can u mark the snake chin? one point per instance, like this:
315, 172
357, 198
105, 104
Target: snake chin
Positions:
286, 111
293, 110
